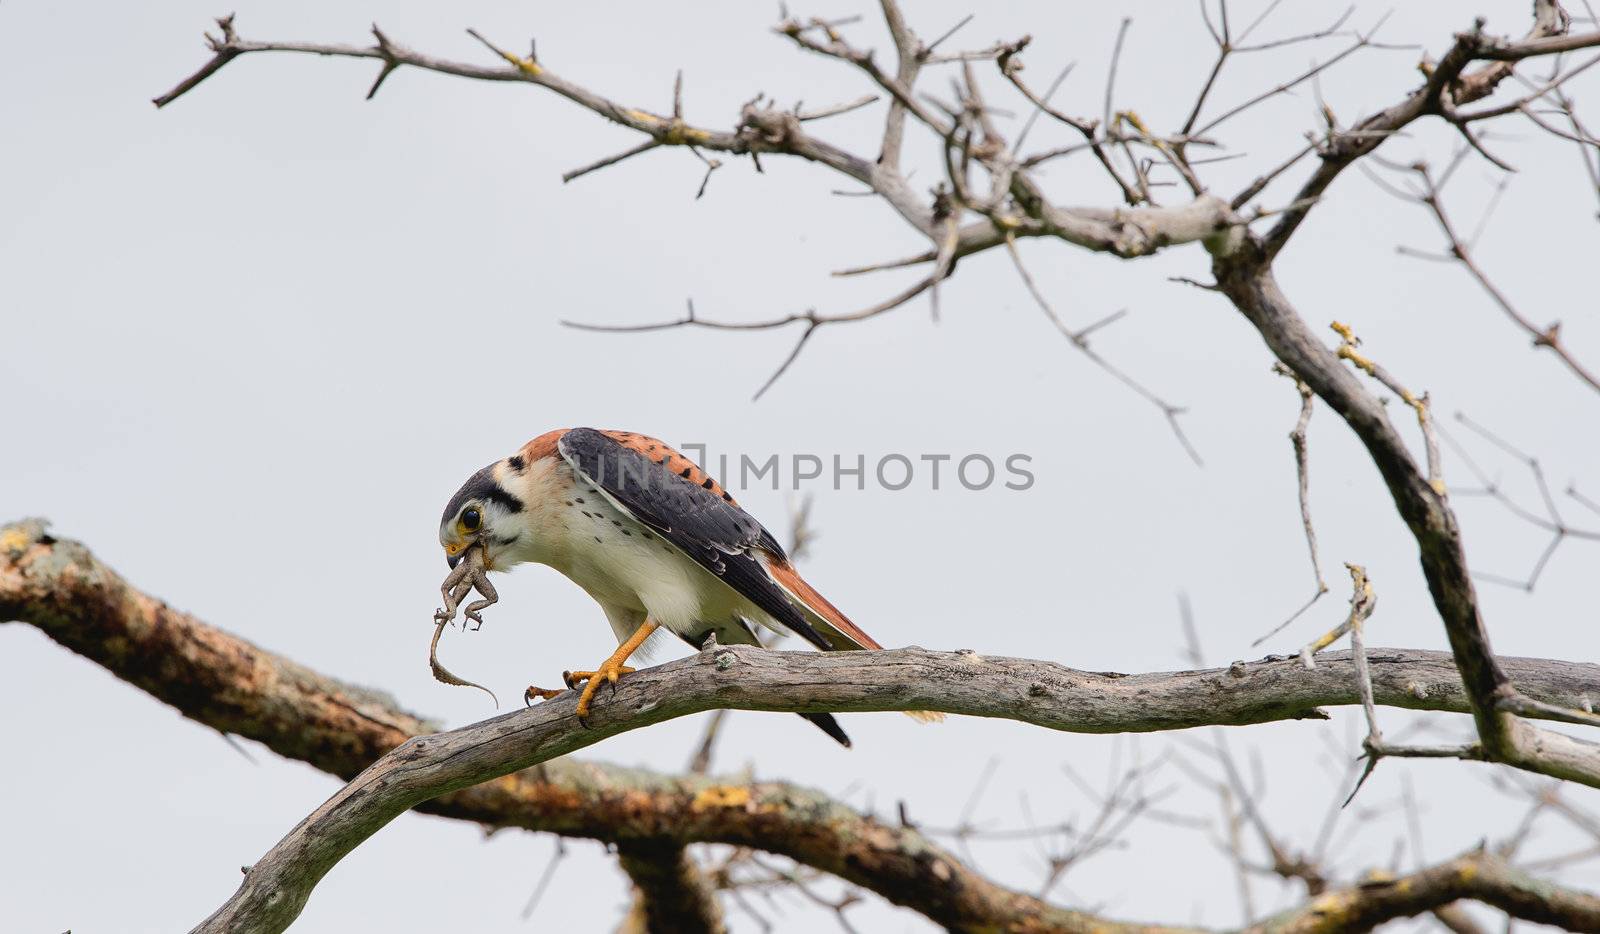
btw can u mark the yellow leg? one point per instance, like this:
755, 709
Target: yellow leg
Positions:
610, 669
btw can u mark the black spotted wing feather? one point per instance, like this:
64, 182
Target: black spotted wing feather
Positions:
667, 493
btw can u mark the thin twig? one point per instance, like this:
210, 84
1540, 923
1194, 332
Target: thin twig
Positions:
643, 147
1547, 337
1080, 340
1297, 438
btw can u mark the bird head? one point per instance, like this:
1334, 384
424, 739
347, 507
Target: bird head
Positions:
482, 513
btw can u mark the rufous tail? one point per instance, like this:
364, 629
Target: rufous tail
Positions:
838, 629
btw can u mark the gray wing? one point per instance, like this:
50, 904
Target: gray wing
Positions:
668, 494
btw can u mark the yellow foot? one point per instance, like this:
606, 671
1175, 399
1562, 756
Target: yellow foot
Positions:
535, 692
608, 673
610, 670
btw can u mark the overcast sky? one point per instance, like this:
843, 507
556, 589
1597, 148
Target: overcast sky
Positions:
253, 342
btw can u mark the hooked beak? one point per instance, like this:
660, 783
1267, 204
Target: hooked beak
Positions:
454, 553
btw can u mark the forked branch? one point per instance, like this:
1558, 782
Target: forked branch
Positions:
238, 688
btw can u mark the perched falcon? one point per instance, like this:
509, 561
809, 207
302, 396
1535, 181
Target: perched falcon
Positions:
651, 537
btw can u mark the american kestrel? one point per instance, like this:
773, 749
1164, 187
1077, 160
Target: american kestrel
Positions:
651, 537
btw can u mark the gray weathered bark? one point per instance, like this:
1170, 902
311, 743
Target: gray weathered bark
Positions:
276, 888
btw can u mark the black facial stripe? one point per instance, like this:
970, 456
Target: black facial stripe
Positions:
517, 463
495, 494
481, 487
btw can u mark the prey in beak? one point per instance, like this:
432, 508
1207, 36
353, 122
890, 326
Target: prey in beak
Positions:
468, 573
481, 516
469, 567
453, 554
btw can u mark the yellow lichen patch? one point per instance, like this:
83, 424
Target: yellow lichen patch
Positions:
1467, 872
1347, 348
1132, 119
1348, 352
13, 540
1331, 905
1348, 342
525, 65
720, 796
678, 134
641, 117
1323, 641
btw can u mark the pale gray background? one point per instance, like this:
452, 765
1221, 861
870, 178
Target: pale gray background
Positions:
251, 344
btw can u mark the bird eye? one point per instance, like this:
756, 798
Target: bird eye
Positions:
471, 520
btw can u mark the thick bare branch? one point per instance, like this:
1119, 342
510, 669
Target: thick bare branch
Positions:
1245, 276
235, 687
1478, 876
1536, 47
238, 688
228, 684
1242, 266
673, 894
277, 886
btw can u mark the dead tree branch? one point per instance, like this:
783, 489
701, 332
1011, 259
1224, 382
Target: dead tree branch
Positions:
1449, 76
1551, 522
765, 129
1478, 876
1246, 277
277, 886
1548, 337
231, 685
238, 688
673, 893
1500, 694
1302, 469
